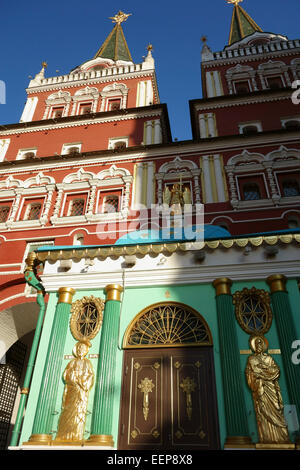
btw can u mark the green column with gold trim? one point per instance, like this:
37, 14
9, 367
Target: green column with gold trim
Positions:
101, 428
287, 335
235, 407
42, 426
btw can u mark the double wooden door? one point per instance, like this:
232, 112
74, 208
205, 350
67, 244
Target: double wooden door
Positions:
169, 400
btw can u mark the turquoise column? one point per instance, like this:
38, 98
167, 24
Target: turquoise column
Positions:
101, 427
42, 426
287, 334
234, 401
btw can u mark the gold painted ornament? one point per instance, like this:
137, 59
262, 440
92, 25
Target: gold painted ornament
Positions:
262, 374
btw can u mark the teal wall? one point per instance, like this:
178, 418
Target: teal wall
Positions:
199, 297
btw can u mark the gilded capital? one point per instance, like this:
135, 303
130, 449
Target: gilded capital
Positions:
277, 283
30, 261
65, 295
113, 292
222, 286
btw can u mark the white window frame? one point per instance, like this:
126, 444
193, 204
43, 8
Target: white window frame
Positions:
257, 124
113, 140
4, 144
22, 152
66, 147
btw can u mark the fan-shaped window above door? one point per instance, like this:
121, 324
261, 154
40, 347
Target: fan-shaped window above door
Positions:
167, 324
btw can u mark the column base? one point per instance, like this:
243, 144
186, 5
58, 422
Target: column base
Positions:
288, 446
238, 442
39, 440
100, 440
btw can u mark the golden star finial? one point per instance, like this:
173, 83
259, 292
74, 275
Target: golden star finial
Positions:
234, 2
119, 17
44, 64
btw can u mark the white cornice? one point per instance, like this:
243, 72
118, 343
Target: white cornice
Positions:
86, 122
174, 276
211, 146
224, 101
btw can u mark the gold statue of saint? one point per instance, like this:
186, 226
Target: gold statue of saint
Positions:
79, 379
262, 375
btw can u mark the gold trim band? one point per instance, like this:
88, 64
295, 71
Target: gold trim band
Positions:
238, 442
24, 391
113, 292
39, 439
65, 295
104, 440
277, 283
222, 286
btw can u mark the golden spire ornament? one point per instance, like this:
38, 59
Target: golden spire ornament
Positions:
234, 2
119, 17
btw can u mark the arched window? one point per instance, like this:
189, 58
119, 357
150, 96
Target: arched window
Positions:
167, 324
120, 145
293, 124
76, 207
250, 130
290, 188
293, 222
111, 204
4, 212
73, 151
34, 211
251, 192
78, 239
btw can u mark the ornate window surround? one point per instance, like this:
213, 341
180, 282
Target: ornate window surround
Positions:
60, 98
177, 168
115, 90
39, 185
241, 73
87, 94
248, 163
88, 181
271, 68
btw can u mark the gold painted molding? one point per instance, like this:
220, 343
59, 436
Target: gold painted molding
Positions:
277, 283
270, 351
65, 295
113, 292
32, 256
104, 252
39, 439
100, 440
222, 286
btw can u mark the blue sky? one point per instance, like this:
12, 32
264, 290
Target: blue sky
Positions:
66, 33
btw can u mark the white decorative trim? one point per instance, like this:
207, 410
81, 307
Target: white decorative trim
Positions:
4, 144
84, 122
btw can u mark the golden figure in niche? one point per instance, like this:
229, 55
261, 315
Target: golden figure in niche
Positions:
262, 375
79, 379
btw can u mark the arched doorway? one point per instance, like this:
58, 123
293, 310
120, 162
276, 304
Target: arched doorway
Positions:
168, 397
16, 335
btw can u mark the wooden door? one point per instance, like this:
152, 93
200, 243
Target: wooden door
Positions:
169, 400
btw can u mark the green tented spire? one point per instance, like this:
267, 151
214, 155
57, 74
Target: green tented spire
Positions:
242, 24
115, 46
